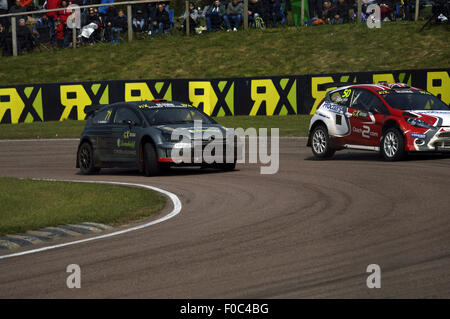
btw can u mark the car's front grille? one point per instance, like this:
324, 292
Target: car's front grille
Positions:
444, 134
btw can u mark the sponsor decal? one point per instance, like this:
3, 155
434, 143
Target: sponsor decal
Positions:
418, 135
323, 115
358, 113
333, 107
268, 96
365, 131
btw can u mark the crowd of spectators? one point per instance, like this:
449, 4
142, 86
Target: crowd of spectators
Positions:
344, 11
107, 23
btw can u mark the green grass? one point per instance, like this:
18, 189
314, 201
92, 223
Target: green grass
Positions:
280, 51
31, 205
290, 125
54, 129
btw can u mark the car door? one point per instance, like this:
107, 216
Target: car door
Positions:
365, 118
101, 131
124, 134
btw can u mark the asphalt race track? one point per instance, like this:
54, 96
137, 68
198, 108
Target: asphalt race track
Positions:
308, 231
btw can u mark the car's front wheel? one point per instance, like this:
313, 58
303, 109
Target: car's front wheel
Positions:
320, 143
86, 159
151, 164
393, 145
228, 166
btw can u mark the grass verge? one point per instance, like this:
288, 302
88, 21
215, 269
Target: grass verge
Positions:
290, 125
280, 51
43, 204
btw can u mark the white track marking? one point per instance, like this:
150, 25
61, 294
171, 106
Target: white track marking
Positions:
176, 210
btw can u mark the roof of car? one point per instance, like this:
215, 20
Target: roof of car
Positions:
158, 103
379, 87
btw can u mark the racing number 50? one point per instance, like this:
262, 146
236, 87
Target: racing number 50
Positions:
347, 93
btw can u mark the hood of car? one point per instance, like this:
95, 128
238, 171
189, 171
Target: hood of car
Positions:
195, 132
442, 117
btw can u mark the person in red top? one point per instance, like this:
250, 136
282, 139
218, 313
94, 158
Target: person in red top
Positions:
53, 4
64, 14
59, 33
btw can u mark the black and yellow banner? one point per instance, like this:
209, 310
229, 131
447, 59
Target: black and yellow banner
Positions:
279, 95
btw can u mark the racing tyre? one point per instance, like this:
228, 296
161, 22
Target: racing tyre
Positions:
320, 143
393, 145
151, 165
86, 159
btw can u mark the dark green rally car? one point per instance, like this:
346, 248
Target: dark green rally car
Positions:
152, 136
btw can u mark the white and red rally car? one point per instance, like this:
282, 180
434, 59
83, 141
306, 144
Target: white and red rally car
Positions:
392, 118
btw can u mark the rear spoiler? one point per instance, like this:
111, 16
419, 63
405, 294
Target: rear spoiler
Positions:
325, 86
91, 109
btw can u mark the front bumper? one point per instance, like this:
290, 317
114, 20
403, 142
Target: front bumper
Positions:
434, 140
199, 152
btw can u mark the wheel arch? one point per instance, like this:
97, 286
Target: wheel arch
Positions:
144, 140
315, 124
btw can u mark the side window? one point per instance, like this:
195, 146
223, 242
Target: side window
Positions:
367, 101
341, 97
126, 114
102, 117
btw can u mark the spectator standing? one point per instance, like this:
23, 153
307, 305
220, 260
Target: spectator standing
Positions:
151, 11
215, 15
53, 4
17, 8
24, 37
161, 20
59, 33
3, 40
4, 10
340, 13
193, 16
326, 14
272, 12
102, 10
235, 12
63, 15
108, 20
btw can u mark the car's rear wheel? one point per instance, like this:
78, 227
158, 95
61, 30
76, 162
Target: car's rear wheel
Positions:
151, 164
86, 159
320, 142
393, 145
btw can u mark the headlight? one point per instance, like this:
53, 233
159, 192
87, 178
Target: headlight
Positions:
417, 123
168, 137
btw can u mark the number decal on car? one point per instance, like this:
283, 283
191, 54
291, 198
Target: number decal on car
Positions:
347, 93
108, 115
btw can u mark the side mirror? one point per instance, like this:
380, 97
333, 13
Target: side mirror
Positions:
129, 122
377, 109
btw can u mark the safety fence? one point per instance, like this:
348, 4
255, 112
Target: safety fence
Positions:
73, 20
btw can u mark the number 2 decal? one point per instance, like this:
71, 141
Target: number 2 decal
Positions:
366, 131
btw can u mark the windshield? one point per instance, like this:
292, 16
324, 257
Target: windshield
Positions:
176, 115
415, 101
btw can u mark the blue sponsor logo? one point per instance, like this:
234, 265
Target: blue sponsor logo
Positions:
323, 115
418, 135
333, 107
